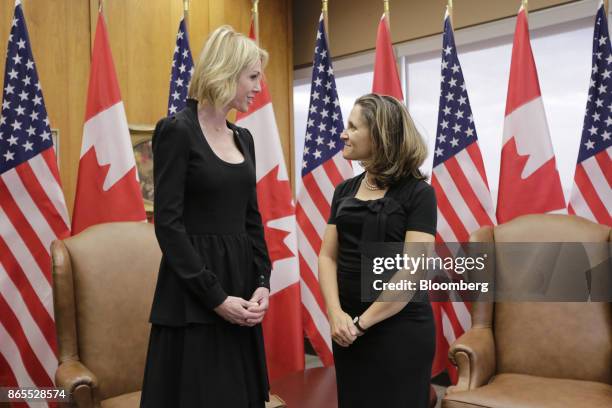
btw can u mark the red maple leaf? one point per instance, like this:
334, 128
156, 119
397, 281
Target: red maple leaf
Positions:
275, 202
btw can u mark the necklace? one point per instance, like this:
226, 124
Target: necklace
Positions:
369, 186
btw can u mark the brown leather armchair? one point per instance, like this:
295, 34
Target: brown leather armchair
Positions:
521, 354
103, 283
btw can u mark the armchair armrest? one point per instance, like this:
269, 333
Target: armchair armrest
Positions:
474, 355
79, 382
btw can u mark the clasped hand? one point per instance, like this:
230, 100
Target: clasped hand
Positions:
343, 330
243, 312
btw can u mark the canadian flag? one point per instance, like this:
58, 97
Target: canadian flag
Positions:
107, 188
529, 182
386, 78
283, 332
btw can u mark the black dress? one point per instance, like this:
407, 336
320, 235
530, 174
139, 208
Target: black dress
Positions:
390, 365
212, 241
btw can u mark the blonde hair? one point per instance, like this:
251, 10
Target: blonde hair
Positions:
225, 55
398, 150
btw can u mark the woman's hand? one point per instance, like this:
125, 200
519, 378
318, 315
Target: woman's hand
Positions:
261, 298
236, 310
343, 331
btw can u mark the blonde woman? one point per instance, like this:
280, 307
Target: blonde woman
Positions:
206, 345
383, 351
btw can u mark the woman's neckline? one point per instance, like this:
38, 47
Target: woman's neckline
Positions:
354, 195
237, 141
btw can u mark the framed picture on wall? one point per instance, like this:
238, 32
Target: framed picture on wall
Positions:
143, 154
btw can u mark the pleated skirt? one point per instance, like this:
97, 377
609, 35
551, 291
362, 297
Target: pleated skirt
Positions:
390, 365
205, 365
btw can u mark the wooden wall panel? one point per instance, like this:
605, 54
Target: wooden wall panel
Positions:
276, 37
142, 35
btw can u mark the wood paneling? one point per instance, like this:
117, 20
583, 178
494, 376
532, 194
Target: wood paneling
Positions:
142, 35
276, 36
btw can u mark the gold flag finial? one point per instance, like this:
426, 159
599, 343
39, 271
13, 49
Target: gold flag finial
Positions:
324, 9
386, 6
255, 19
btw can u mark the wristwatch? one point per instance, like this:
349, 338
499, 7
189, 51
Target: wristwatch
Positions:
356, 323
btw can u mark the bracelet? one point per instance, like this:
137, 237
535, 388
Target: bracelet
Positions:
357, 325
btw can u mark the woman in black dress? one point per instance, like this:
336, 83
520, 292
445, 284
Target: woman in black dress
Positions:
383, 351
206, 346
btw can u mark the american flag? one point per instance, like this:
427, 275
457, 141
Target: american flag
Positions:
182, 69
32, 215
591, 195
459, 179
323, 167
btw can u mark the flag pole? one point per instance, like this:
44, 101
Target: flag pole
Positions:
387, 13
255, 17
186, 13
606, 8
325, 21
525, 5
449, 10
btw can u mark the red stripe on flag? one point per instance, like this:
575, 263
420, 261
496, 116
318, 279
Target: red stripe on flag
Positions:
7, 379
49, 156
474, 152
309, 279
41, 200
307, 228
589, 193
25, 231
33, 302
604, 161
449, 213
467, 192
333, 173
28, 357
318, 343
316, 195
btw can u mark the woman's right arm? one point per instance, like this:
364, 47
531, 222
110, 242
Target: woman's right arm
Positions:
171, 159
343, 331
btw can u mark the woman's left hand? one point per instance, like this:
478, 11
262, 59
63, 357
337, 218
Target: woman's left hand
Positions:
261, 297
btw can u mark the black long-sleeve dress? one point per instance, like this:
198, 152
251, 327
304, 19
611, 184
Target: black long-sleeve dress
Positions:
211, 236
389, 365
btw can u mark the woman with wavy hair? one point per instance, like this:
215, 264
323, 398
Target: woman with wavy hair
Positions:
383, 351
206, 345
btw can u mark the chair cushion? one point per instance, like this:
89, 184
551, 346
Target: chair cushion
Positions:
131, 400
525, 391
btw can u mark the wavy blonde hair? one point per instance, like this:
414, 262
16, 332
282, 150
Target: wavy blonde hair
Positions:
225, 55
398, 150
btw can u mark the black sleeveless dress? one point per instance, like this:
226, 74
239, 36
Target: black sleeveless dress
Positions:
211, 237
390, 365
